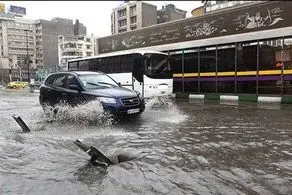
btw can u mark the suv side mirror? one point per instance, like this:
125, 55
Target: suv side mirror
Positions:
75, 87
119, 83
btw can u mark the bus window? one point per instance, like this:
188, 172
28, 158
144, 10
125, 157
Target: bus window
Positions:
116, 64
128, 61
72, 65
83, 65
93, 65
104, 65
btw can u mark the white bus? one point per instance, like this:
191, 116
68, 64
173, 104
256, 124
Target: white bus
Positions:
147, 72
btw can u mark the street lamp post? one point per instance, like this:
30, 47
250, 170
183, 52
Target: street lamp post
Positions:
27, 57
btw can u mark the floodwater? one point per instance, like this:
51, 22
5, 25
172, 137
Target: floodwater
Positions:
178, 147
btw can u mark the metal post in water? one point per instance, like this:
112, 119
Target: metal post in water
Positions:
21, 123
94, 153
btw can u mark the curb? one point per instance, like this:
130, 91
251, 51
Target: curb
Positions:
235, 98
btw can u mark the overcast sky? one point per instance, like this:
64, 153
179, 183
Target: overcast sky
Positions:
95, 15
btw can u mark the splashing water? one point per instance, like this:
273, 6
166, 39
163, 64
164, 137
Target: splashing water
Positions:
91, 113
159, 102
164, 109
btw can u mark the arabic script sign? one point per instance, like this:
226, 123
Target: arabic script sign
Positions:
263, 16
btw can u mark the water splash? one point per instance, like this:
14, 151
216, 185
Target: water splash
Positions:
162, 102
91, 113
164, 109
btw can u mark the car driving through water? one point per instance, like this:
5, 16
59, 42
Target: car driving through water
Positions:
80, 87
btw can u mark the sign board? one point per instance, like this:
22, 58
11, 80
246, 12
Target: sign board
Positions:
257, 17
2, 8
17, 10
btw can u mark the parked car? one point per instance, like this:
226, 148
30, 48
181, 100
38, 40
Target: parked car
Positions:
80, 87
17, 84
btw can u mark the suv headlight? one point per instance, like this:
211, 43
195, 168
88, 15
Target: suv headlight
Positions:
108, 100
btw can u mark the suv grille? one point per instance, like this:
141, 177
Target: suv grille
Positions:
130, 101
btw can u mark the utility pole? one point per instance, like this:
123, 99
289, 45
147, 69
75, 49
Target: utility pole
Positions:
27, 56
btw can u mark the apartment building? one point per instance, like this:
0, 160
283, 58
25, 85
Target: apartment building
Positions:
133, 15
47, 32
170, 13
72, 47
17, 45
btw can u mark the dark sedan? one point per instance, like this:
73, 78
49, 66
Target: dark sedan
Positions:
80, 87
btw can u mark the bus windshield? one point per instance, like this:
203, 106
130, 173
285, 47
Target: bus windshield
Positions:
157, 66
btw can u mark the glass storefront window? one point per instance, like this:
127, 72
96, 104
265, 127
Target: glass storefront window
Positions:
191, 71
176, 67
208, 70
226, 69
287, 54
270, 66
246, 80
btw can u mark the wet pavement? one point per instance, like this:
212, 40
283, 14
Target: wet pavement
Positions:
178, 147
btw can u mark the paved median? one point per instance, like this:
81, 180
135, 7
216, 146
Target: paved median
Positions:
235, 98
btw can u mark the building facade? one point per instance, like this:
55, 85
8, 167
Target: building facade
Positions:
47, 32
72, 47
17, 46
170, 13
132, 15
29, 43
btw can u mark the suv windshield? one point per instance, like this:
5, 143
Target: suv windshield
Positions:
97, 81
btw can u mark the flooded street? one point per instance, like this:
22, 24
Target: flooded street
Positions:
177, 148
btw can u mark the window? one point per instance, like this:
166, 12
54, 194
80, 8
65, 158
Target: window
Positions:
95, 81
287, 62
133, 27
271, 58
83, 65
246, 54
49, 80
60, 80
133, 9
71, 80
72, 66
133, 19
93, 64
88, 47
122, 12
122, 23
226, 63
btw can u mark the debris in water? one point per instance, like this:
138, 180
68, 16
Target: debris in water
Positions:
21, 123
96, 155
